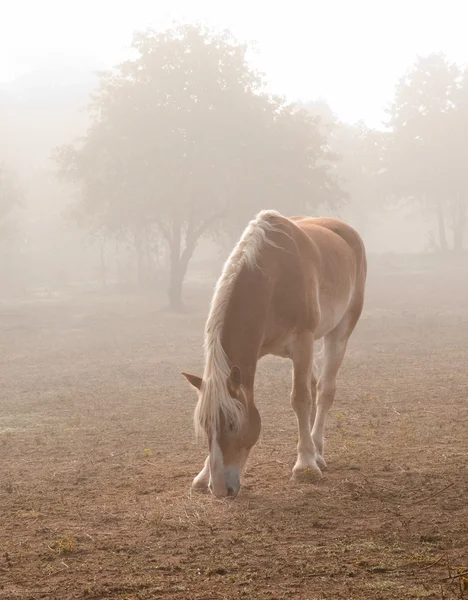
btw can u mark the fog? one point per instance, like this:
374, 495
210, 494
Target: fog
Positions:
137, 141
374, 137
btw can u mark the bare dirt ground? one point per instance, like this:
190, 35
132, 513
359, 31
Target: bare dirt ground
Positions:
97, 454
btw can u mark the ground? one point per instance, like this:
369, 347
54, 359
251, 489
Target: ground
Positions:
97, 454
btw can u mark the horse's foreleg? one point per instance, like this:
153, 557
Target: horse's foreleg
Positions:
301, 400
334, 350
202, 480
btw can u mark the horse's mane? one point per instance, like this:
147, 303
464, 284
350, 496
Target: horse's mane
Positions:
215, 399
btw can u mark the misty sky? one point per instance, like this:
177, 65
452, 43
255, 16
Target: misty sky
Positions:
350, 52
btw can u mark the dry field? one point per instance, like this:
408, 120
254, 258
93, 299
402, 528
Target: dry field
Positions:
97, 454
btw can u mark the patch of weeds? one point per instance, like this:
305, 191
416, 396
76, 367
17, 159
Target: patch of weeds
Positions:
148, 452
305, 474
340, 422
64, 545
347, 443
462, 574
420, 558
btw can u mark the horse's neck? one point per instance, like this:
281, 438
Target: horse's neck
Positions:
245, 321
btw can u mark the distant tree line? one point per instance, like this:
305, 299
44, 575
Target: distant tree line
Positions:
425, 151
420, 156
185, 142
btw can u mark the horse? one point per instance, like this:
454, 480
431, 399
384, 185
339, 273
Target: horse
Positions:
288, 282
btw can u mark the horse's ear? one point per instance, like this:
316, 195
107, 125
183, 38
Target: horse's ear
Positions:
193, 380
234, 381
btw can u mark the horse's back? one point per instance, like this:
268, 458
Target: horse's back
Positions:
314, 228
336, 241
340, 228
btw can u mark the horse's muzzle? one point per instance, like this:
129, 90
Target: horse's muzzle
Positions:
231, 485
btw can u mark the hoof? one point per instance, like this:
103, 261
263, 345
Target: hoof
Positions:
321, 463
199, 489
199, 485
310, 474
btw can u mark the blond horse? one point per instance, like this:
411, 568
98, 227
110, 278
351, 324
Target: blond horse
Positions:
287, 283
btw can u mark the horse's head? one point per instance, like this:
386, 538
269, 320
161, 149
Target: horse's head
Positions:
227, 414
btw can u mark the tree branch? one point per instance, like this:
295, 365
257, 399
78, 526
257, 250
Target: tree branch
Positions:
201, 229
164, 231
194, 234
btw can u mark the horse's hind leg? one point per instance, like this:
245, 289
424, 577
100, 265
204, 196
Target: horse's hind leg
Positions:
313, 389
301, 400
335, 344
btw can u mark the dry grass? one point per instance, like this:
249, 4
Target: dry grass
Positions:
97, 454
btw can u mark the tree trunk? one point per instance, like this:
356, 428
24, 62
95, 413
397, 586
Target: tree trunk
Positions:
179, 262
179, 259
441, 224
139, 258
459, 225
102, 244
458, 237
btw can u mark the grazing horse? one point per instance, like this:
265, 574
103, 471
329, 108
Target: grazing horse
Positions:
287, 283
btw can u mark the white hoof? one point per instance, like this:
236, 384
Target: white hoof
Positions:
307, 473
321, 462
200, 484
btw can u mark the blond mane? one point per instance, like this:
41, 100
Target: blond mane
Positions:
215, 399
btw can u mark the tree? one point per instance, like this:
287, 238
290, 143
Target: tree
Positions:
184, 140
424, 155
